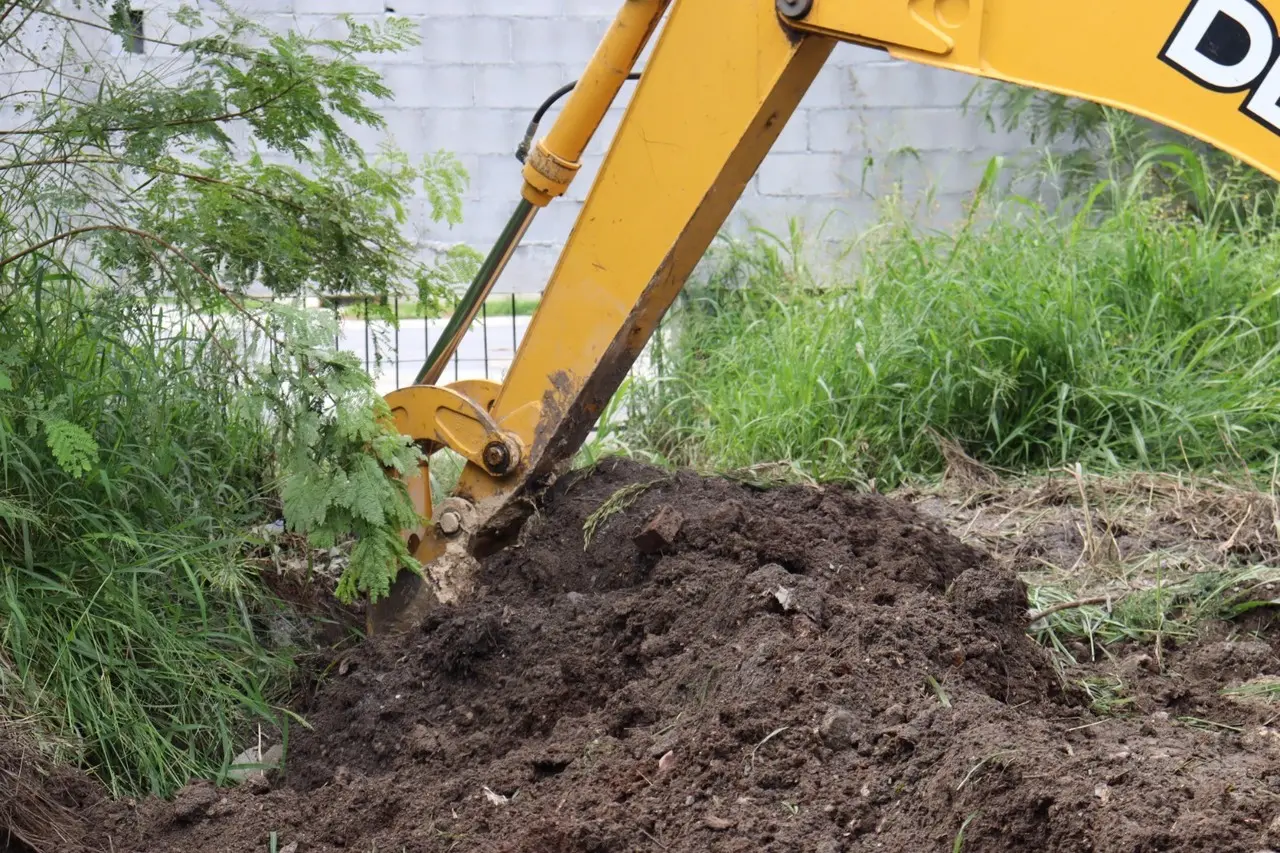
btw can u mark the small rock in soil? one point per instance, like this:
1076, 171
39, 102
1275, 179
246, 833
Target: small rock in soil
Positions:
838, 729
895, 713
249, 763
495, 798
768, 577
661, 531
193, 802
258, 783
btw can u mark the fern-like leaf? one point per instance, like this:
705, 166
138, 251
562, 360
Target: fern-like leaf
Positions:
366, 491
375, 561
72, 447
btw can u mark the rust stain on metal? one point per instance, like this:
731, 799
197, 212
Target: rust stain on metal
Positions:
556, 403
569, 411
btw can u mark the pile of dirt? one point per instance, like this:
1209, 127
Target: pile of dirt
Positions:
727, 669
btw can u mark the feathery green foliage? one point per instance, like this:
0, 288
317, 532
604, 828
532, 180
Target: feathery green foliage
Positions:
150, 411
232, 163
1086, 143
234, 166
335, 455
130, 620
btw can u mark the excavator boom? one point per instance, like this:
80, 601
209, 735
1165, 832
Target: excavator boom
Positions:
722, 82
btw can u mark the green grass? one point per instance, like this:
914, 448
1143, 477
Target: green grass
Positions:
1154, 608
1265, 689
1128, 338
958, 844
130, 622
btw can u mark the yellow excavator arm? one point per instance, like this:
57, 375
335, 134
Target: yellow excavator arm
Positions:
722, 81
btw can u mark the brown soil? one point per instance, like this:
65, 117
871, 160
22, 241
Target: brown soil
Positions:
800, 669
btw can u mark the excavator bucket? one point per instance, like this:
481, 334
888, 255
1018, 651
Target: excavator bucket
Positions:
454, 417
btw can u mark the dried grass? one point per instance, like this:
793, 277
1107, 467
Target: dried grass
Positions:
39, 795
1111, 559
1074, 526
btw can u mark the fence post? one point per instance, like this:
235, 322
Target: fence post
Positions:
484, 327
367, 364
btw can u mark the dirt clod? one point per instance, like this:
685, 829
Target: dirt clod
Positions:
891, 699
1239, 659
194, 801
839, 729
661, 531
258, 783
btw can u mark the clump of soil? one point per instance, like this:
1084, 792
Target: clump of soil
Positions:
727, 669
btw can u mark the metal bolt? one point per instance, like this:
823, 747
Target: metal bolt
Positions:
794, 9
450, 522
497, 458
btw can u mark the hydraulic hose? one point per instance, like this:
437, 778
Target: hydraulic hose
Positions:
467, 309
522, 151
499, 255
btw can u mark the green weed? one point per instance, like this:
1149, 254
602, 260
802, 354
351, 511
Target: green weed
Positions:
1122, 338
1152, 608
1106, 694
957, 845
1264, 689
615, 504
498, 305
129, 617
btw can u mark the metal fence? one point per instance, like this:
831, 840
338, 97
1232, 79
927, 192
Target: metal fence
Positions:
391, 342
393, 352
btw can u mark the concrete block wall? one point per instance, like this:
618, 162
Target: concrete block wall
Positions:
867, 124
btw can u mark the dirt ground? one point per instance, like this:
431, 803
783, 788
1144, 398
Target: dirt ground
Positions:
798, 669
